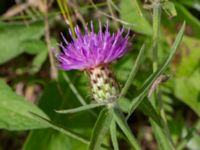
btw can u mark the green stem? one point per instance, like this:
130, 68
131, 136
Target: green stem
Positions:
156, 28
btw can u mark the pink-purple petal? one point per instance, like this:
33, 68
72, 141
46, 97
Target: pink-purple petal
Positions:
92, 49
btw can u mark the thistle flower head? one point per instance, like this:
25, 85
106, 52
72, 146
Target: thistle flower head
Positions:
93, 52
92, 49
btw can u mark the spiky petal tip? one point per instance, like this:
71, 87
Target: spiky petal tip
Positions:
92, 49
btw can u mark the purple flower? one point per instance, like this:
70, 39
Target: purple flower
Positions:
92, 49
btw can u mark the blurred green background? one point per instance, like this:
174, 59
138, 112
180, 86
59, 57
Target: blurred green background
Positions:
29, 32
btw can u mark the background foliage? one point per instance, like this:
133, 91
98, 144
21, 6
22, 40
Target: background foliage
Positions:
31, 87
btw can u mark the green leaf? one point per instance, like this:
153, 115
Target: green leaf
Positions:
157, 123
38, 48
136, 101
191, 3
100, 129
191, 20
34, 47
187, 90
74, 89
51, 140
133, 72
79, 109
74, 125
38, 61
15, 111
130, 12
113, 133
14, 35
147, 108
190, 53
120, 119
161, 137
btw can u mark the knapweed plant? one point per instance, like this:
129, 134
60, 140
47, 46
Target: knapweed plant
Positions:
93, 53
100, 88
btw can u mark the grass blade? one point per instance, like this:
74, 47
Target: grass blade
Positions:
74, 90
136, 101
100, 129
148, 109
133, 72
79, 109
158, 125
113, 133
161, 138
120, 119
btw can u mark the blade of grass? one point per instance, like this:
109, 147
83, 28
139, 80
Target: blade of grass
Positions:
147, 108
120, 119
74, 90
161, 137
79, 109
136, 101
100, 129
133, 72
64, 10
113, 133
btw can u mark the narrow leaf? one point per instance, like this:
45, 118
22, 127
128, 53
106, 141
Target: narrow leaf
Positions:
133, 72
161, 138
136, 101
79, 109
113, 132
74, 90
148, 109
100, 129
120, 119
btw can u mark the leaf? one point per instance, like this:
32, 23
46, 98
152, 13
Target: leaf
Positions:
38, 61
55, 96
113, 133
67, 132
191, 20
51, 140
190, 55
131, 13
147, 108
38, 48
133, 72
15, 111
120, 119
136, 101
100, 129
34, 47
161, 137
74, 89
187, 90
14, 35
79, 109
191, 3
